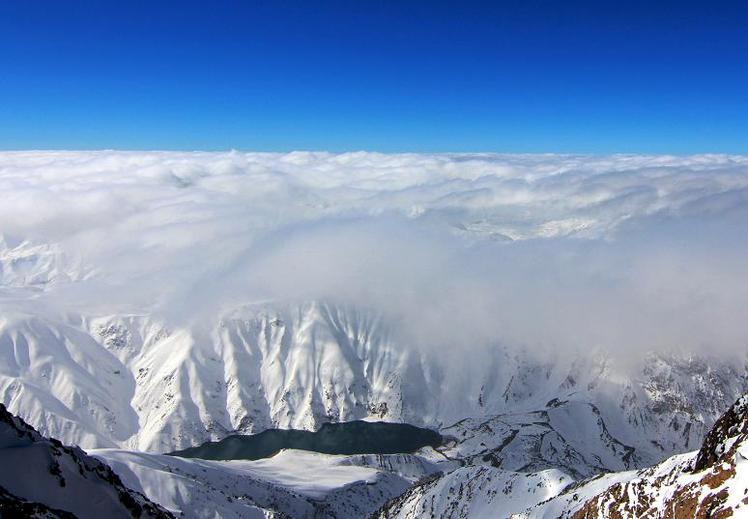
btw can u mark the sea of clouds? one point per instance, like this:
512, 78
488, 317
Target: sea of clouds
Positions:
622, 252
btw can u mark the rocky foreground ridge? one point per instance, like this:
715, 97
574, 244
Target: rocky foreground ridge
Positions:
41, 477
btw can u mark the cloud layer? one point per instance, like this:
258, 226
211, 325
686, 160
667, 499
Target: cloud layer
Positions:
623, 252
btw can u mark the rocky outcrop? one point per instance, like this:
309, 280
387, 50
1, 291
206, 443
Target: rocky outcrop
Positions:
728, 433
712, 483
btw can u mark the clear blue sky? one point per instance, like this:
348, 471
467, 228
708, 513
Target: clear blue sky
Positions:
557, 76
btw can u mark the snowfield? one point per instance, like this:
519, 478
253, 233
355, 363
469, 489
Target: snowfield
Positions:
296, 483
555, 317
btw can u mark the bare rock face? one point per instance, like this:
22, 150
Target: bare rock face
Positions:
727, 434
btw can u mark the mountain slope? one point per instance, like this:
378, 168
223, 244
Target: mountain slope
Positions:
131, 382
712, 483
295, 484
709, 483
477, 492
43, 478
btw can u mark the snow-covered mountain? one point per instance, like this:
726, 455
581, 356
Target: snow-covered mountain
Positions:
133, 383
554, 317
710, 482
705, 483
293, 484
480, 492
43, 478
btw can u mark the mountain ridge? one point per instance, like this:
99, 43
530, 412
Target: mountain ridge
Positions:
44, 478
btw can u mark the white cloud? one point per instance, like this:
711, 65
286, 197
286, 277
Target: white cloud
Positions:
569, 251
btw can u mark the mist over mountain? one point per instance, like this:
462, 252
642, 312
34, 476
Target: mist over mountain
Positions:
616, 252
551, 318
524, 299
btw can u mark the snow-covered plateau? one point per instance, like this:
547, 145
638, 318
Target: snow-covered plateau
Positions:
573, 326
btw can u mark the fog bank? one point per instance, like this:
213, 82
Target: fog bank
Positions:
628, 253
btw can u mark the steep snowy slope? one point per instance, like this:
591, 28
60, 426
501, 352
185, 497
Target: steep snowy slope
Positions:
712, 482
600, 421
41, 477
475, 492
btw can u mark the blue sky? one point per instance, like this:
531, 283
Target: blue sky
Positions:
524, 76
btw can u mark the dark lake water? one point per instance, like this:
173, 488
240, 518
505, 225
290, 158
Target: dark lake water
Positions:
357, 437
